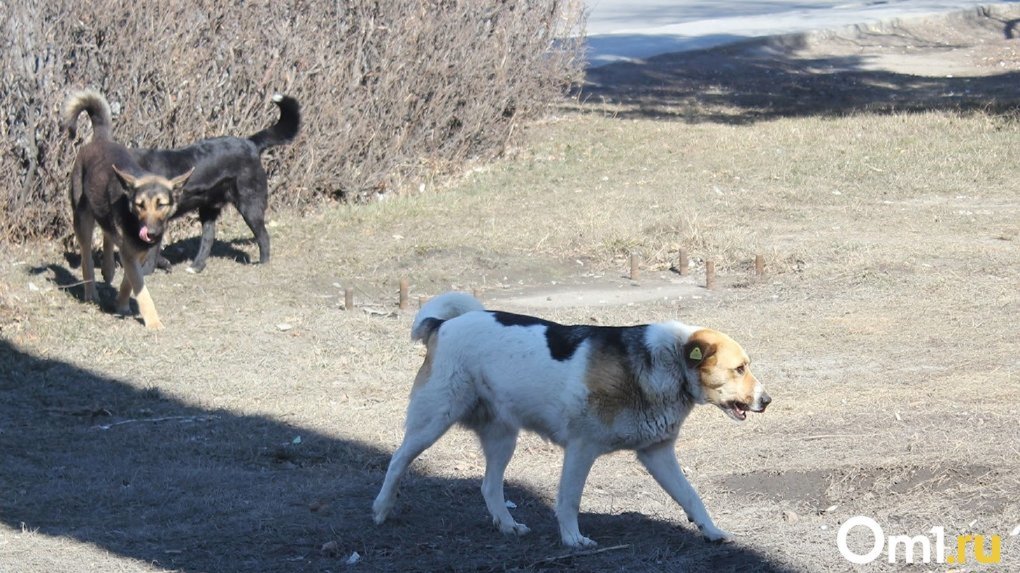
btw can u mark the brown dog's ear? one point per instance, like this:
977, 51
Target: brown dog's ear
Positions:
180, 180
126, 178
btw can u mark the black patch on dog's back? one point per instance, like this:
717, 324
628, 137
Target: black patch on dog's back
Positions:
429, 326
563, 340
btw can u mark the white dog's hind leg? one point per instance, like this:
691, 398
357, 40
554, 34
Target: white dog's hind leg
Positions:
577, 461
498, 443
661, 462
429, 416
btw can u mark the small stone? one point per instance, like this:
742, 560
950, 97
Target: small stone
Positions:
330, 548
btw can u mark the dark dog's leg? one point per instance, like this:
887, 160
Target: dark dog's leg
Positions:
155, 260
208, 216
253, 210
257, 224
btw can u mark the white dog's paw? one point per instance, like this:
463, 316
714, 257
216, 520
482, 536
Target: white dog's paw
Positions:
380, 510
577, 540
715, 535
513, 528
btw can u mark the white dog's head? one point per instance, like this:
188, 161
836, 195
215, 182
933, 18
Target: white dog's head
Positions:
723, 373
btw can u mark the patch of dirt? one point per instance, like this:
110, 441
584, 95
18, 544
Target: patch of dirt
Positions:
818, 490
601, 293
801, 487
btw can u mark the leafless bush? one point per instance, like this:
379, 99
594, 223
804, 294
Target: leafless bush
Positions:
391, 91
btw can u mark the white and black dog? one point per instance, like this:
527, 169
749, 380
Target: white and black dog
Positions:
590, 389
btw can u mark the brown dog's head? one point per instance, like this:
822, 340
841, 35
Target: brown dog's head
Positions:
153, 200
724, 373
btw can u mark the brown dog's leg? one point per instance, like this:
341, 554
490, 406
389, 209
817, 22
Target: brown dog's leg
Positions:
109, 265
84, 223
133, 274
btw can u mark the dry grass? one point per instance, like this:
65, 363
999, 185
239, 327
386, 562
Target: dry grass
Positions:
894, 324
885, 332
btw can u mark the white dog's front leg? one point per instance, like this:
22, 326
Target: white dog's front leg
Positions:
577, 461
661, 462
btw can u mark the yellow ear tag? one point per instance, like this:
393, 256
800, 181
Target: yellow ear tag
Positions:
696, 353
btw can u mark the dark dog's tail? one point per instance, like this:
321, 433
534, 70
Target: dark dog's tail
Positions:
98, 109
285, 130
440, 309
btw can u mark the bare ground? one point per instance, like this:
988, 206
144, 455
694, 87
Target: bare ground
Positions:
253, 433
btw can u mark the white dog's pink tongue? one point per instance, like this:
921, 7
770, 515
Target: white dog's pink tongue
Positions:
143, 234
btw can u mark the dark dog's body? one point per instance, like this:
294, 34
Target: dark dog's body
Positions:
227, 170
131, 205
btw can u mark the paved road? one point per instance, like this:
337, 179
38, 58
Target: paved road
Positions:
635, 29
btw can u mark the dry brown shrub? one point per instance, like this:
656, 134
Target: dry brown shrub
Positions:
392, 92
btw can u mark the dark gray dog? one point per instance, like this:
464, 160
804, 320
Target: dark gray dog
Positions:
227, 170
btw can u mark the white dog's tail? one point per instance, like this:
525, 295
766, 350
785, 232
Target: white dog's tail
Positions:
443, 307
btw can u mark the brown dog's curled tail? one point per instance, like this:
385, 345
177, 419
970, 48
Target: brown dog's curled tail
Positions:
98, 109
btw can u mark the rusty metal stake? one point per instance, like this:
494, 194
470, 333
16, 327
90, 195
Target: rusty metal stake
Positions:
635, 266
403, 293
684, 265
709, 275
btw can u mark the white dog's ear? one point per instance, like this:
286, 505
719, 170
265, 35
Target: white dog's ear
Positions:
697, 351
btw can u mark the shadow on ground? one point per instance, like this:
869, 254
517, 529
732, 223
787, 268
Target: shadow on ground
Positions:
145, 476
175, 253
766, 79
184, 250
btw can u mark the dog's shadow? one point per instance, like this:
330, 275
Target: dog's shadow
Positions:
436, 510
66, 280
184, 250
176, 253
132, 471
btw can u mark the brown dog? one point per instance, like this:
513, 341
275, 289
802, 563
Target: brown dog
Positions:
131, 205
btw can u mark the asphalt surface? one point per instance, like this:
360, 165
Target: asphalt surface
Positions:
636, 29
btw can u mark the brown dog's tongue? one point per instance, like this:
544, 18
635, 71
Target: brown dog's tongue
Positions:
143, 234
